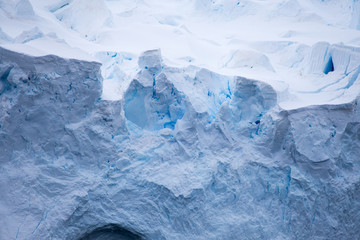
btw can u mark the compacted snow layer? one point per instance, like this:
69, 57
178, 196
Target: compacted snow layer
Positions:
221, 162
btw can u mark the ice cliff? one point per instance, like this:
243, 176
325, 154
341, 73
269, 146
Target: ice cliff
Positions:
217, 160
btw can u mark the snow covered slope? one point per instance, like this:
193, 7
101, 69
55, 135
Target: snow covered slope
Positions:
179, 119
272, 41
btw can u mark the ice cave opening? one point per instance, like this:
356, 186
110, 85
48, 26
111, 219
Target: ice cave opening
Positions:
329, 66
111, 232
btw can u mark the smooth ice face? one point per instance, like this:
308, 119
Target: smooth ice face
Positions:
154, 107
153, 102
252, 98
222, 163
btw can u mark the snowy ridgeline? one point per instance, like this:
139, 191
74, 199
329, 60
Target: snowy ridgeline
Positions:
218, 160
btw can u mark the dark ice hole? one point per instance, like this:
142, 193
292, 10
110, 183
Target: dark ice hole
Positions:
329, 66
111, 232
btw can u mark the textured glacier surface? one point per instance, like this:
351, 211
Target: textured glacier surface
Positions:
185, 154
107, 140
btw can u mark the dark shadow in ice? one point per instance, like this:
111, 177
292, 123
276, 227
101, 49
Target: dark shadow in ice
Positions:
111, 232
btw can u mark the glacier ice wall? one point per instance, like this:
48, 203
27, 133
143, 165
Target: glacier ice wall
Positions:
216, 160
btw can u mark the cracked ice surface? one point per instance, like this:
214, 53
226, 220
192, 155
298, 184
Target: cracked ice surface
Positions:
74, 165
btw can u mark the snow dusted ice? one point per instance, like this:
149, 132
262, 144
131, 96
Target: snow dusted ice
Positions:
179, 119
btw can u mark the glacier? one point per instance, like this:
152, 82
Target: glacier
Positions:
156, 165
179, 119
